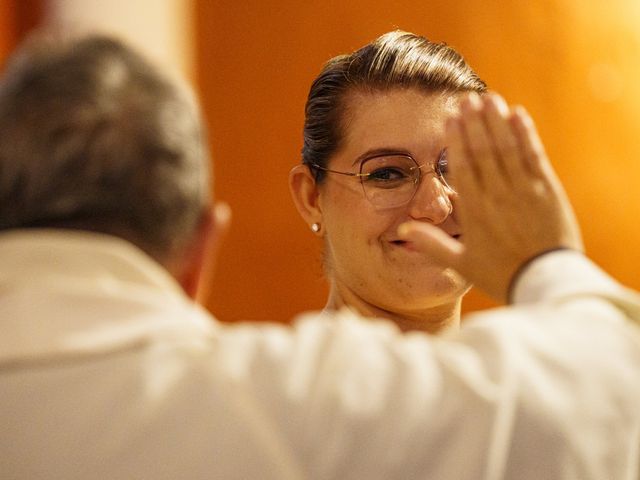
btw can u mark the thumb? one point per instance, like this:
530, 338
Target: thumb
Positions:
433, 242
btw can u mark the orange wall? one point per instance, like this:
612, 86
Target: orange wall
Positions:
8, 28
17, 17
574, 64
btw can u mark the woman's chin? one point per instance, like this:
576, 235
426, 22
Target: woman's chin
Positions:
437, 287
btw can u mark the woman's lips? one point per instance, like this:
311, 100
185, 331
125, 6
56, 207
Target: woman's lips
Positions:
404, 244
411, 247
457, 236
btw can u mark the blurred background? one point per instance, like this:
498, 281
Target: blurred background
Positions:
573, 64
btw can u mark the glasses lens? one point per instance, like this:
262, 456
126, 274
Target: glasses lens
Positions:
389, 181
442, 169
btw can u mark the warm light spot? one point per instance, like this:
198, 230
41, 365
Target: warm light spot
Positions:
606, 82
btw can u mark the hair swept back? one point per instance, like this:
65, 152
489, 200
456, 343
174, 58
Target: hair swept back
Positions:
397, 59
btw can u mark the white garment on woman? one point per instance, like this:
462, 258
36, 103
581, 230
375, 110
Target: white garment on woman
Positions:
108, 371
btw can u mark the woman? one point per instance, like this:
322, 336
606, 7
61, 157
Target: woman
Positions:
374, 157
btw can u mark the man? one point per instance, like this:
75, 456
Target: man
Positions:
108, 369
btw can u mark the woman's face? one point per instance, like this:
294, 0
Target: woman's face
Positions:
365, 259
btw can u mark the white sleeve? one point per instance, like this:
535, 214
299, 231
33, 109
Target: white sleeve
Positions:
544, 390
562, 275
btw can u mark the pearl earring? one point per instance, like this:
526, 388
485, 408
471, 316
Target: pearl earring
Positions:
315, 227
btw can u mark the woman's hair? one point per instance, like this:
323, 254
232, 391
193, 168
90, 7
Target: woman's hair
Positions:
394, 60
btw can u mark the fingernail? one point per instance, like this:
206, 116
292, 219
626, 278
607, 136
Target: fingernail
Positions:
403, 230
498, 102
523, 114
474, 100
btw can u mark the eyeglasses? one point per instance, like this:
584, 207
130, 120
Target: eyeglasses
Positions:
392, 180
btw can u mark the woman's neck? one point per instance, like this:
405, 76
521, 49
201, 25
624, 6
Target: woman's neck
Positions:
433, 319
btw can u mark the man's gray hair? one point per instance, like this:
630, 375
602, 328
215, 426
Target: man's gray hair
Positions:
94, 137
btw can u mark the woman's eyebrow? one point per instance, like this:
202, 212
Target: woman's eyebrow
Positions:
378, 152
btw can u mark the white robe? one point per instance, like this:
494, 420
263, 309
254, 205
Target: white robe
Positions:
108, 371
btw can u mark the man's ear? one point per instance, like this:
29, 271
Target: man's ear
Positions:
198, 264
305, 194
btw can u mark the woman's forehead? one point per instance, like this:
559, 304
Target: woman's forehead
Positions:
406, 119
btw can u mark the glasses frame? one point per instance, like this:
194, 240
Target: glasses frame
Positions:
416, 180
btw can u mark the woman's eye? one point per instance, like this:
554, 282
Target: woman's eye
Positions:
387, 174
442, 167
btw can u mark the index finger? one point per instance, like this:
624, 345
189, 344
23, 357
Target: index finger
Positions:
465, 178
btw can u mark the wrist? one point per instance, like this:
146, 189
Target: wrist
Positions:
522, 269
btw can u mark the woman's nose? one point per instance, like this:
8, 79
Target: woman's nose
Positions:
431, 201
